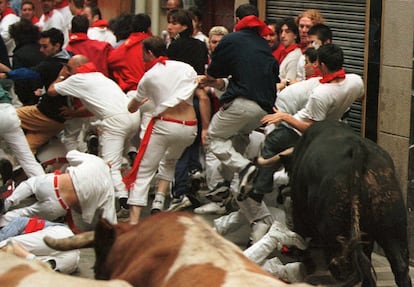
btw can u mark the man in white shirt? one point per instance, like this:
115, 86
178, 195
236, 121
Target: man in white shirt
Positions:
52, 18
7, 18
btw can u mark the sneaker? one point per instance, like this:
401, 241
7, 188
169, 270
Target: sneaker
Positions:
123, 213
211, 208
290, 273
7, 189
285, 237
220, 192
181, 203
92, 143
196, 179
246, 177
158, 203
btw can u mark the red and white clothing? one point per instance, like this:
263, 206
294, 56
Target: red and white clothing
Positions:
289, 63
126, 63
64, 9
54, 19
99, 30
166, 88
6, 19
104, 98
94, 196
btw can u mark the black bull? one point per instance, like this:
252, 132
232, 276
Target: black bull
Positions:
346, 195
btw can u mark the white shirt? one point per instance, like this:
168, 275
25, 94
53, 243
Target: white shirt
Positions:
102, 34
92, 180
5, 23
331, 100
100, 95
56, 20
167, 85
288, 67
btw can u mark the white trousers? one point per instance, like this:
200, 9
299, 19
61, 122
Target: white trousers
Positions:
47, 206
15, 139
117, 132
167, 142
66, 261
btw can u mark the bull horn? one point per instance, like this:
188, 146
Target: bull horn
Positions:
82, 240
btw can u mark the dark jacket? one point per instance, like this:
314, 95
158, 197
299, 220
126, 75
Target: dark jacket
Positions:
247, 58
189, 50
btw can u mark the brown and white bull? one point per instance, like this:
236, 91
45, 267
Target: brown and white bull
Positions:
18, 272
169, 249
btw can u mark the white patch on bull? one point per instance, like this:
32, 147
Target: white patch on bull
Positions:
201, 245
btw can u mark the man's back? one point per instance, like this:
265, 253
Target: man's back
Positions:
247, 57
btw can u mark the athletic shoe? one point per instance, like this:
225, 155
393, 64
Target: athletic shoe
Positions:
211, 208
246, 177
220, 192
92, 143
290, 273
123, 213
180, 203
158, 203
286, 237
196, 178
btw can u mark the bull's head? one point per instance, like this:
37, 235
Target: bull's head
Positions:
101, 239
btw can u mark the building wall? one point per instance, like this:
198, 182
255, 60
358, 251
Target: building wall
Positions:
395, 92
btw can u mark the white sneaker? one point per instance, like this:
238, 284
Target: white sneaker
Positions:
284, 236
178, 204
158, 203
210, 208
290, 273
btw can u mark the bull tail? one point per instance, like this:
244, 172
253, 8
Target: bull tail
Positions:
361, 263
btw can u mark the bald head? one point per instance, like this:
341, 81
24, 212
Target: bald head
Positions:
75, 62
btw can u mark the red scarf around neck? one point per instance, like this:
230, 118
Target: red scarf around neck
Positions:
340, 74
73, 37
88, 67
7, 11
252, 21
100, 23
286, 51
160, 59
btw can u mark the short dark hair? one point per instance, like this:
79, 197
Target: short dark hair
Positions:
312, 54
55, 36
332, 56
95, 11
27, 2
140, 23
156, 45
80, 24
121, 26
196, 12
291, 24
182, 17
322, 31
246, 10
24, 32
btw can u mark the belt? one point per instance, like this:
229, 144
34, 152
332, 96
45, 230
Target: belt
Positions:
186, 123
56, 188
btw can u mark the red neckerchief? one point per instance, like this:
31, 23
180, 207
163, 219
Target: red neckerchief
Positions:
100, 23
74, 37
62, 5
340, 74
160, 59
7, 11
35, 20
135, 38
88, 67
303, 46
286, 51
252, 21
48, 15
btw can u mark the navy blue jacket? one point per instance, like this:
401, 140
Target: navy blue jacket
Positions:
247, 58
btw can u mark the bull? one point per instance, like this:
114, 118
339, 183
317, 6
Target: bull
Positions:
168, 249
16, 271
345, 194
